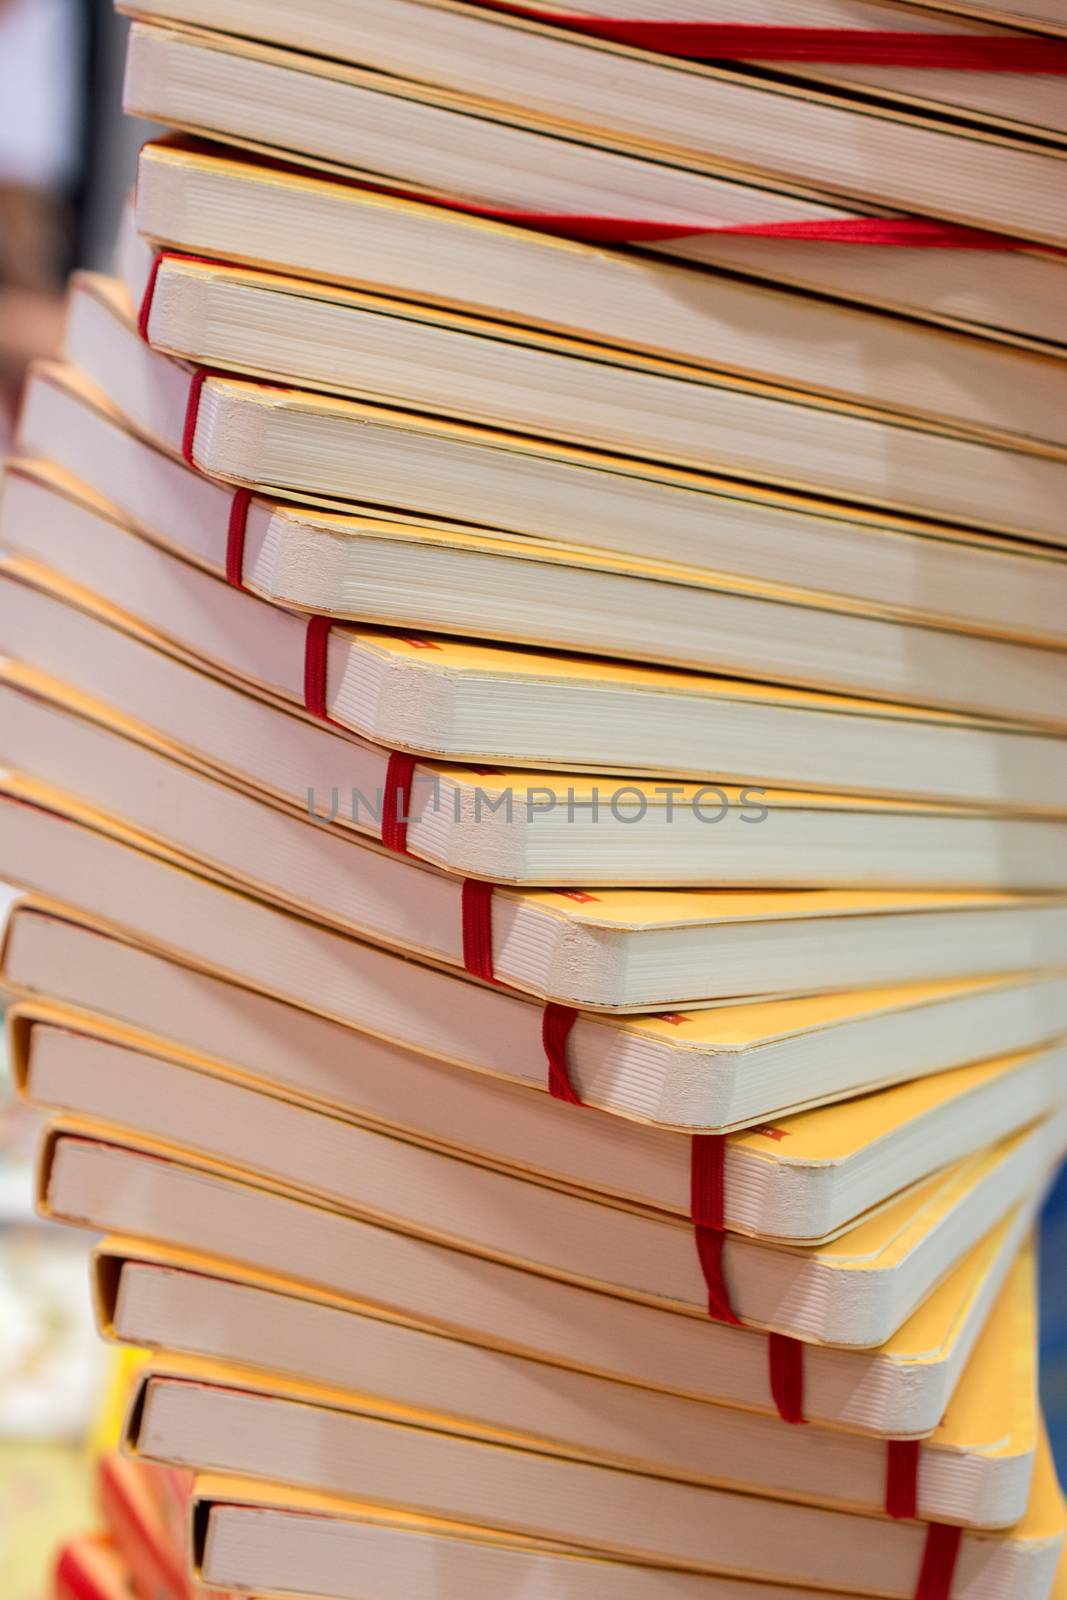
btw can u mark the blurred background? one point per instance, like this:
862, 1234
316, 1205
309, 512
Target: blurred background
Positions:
67, 160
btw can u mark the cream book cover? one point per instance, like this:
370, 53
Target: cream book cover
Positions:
75, 562
65, 632
298, 444
991, 676
1012, 296
975, 1470
960, 479
414, 39
279, 328
914, 282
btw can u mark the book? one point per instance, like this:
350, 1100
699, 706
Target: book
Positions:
803, 1180
271, 216
249, 1528
615, 950
901, 1389
989, 294
427, 41
867, 563
422, 464
856, 1290
187, 1412
976, 1467
802, 346
225, 87
722, 1067
513, 826
62, 523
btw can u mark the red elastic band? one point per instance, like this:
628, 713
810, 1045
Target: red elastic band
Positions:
939, 1562
235, 541
785, 1357
556, 1025
396, 801
707, 1180
316, 646
192, 413
902, 1478
478, 928
868, 47
709, 1242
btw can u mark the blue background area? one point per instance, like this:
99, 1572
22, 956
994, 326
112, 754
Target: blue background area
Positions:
1054, 1320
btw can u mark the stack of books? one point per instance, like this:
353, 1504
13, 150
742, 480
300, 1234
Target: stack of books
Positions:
534, 638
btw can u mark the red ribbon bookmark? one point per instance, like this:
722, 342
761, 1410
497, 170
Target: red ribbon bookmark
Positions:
867, 47
915, 233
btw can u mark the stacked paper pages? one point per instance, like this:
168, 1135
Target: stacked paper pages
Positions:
534, 616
